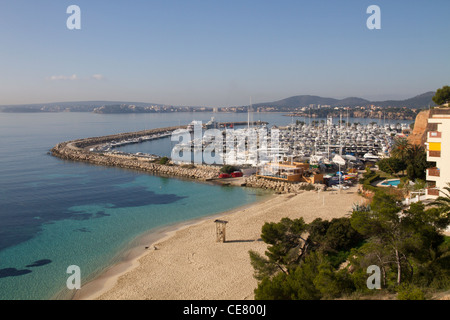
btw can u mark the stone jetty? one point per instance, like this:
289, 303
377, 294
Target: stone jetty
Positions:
78, 150
282, 186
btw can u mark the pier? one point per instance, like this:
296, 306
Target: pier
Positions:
242, 123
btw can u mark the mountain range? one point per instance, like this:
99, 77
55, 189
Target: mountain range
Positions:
421, 101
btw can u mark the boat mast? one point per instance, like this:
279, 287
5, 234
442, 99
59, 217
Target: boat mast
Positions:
340, 135
248, 114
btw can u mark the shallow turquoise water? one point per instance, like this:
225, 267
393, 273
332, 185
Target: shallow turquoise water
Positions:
92, 234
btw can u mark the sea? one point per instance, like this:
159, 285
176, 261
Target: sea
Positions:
55, 214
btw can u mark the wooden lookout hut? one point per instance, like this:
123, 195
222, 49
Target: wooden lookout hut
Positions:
220, 230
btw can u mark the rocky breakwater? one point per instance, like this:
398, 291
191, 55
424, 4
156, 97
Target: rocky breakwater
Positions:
281, 186
78, 150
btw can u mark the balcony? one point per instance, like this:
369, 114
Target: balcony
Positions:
434, 134
433, 192
434, 172
434, 154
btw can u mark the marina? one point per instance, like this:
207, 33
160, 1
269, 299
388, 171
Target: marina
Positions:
319, 153
324, 146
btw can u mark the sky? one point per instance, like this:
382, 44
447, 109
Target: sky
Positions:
220, 53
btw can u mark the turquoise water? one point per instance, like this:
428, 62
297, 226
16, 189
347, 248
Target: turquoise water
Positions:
93, 234
391, 183
56, 213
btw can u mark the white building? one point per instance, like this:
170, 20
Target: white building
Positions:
438, 151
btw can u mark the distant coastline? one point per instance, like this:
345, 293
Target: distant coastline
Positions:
379, 113
292, 104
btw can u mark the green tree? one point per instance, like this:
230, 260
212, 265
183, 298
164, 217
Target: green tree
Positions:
400, 149
389, 235
401, 241
416, 162
443, 200
287, 247
299, 285
333, 237
391, 165
442, 95
300, 267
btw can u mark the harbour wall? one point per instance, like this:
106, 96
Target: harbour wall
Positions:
78, 150
282, 186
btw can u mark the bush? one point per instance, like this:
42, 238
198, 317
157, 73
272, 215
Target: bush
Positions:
163, 160
368, 180
228, 169
410, 292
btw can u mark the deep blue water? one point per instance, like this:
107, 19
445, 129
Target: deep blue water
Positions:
56, 213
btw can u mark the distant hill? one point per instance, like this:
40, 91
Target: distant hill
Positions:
297, 101
420, 101
73, 106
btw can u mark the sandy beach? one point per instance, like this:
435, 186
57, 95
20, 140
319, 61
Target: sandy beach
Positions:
188, 263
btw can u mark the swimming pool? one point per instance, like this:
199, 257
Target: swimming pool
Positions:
393, 183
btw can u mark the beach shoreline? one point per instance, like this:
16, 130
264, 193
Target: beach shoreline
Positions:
189, 264
129, 259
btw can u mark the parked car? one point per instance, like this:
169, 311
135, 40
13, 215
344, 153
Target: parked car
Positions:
224, 175
237, 174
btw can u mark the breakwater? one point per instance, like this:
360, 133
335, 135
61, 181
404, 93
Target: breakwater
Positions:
281, 186
79, 150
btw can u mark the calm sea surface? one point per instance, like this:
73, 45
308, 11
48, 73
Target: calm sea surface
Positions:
55, 213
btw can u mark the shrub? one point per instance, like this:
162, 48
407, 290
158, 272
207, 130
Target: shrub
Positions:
228, 169
391, 165
163, 160
410, 292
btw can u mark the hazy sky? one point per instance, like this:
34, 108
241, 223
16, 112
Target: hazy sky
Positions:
220, 52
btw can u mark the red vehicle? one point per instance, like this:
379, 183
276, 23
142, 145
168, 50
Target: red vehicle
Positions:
224, 175
237, 174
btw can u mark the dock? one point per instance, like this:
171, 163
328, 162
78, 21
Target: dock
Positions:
242, 123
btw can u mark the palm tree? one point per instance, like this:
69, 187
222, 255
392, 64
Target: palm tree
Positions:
414, 151
401, 148
417, 162
443, 202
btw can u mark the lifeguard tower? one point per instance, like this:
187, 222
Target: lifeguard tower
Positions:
220, 230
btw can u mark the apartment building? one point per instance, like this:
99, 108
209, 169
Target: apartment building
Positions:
438, 151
